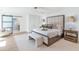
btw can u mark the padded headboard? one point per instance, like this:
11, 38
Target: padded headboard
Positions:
57, 21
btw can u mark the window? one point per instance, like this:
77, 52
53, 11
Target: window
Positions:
7, 23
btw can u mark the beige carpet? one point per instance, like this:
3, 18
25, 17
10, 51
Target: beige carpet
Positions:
7, 44
22, 43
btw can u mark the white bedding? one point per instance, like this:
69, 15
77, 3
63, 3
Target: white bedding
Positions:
49, 33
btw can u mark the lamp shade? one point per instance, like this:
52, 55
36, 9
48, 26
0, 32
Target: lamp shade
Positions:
72, 19
70, 25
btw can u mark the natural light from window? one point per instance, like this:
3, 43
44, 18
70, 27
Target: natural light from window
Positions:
2, 42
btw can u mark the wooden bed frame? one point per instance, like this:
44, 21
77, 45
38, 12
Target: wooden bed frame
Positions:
50, 40
56, 38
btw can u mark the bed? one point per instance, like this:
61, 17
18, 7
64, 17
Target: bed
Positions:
55, 29
48, 33
49, 36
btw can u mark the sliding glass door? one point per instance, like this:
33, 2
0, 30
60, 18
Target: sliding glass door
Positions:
7, 23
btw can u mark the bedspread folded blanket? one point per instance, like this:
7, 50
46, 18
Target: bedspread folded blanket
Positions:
49, 33
35, 35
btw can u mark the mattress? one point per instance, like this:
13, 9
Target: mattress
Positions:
49, 33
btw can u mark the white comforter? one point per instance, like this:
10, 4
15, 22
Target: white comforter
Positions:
50, 32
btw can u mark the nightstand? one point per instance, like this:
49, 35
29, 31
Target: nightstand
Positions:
71, 35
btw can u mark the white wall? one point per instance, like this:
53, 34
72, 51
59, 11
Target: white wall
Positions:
27, 18
15, 12
35, 21
27, 14
23, 23
67, 11
0, 22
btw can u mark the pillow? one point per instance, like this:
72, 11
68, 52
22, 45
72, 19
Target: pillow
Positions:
60, 26
49, 26
54, 26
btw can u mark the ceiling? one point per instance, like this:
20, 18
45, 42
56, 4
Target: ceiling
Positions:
39, 10
47, 10
31, 10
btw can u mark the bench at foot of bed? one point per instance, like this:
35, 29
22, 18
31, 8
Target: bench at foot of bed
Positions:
38, 39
